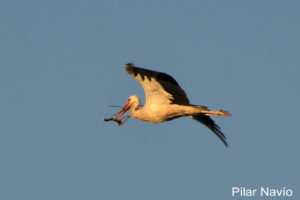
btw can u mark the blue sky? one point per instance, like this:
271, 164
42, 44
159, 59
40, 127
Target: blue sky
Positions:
62, 65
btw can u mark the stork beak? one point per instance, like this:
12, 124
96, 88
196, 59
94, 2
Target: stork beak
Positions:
125, 108
119, 116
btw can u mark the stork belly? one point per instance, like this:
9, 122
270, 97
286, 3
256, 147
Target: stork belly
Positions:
159, 113
153, 117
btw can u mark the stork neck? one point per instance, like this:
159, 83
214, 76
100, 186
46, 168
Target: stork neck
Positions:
135, 107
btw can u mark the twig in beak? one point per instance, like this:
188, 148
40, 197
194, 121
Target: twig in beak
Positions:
114, 106
117, 119
114, 119
119, 116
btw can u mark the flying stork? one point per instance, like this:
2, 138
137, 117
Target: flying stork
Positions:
165, 100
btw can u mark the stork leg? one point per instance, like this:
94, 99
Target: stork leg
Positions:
191, 110
216, 113
206, 111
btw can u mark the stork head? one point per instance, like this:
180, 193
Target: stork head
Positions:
131, 103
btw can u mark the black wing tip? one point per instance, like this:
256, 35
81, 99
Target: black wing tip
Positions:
130, 64
166, 77
130, 68
217, 130
224, 140
209, 123
220, 135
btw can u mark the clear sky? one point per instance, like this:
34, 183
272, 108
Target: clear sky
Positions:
62, 65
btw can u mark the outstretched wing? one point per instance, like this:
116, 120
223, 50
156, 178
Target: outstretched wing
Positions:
209, 123
159, 87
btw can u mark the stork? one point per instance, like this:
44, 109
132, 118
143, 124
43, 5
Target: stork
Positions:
165, 100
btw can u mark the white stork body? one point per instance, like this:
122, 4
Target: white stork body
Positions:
166, 100
157, 113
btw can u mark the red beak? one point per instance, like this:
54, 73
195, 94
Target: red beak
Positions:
124, 109
119, 116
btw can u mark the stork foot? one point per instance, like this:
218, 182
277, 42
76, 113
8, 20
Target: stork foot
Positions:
217, 113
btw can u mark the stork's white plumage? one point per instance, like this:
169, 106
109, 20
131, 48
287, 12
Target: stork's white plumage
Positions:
166, 100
